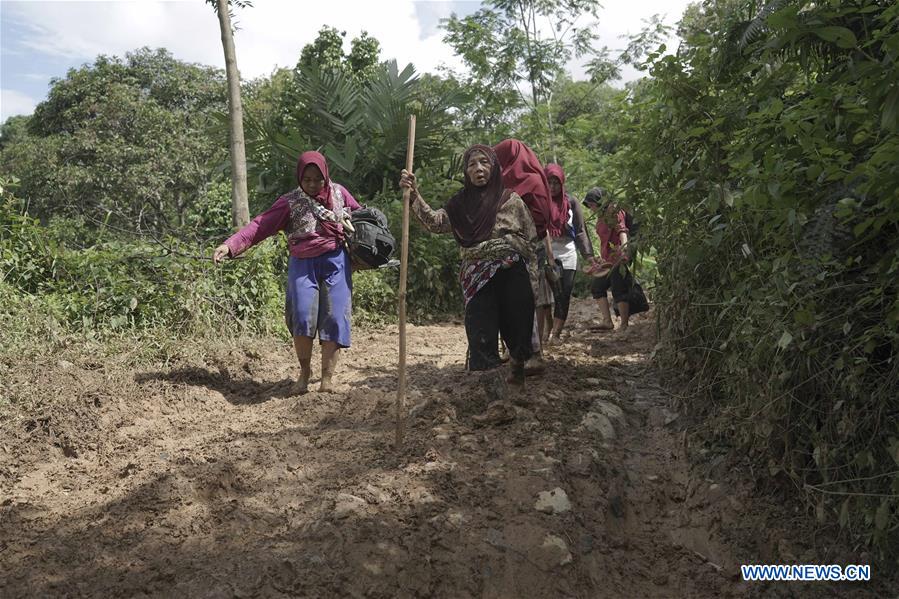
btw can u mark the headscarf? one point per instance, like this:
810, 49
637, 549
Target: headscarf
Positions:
523, 174
559, 206
472, 211
330, 228
596, 195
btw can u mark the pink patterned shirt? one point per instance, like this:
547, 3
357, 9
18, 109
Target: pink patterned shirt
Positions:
610, 237
278, 218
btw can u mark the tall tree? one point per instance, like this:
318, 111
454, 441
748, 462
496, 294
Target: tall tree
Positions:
509, 42
326, 53
128, 140
239, 207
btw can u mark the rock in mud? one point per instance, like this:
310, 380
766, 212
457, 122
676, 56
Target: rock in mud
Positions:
347, 505
375, 495
608, 409
553, 502
595, 422
455, 519
659, 417
554, 552
603, 394
716, 493
421, 496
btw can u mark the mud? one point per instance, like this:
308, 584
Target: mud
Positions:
205, 477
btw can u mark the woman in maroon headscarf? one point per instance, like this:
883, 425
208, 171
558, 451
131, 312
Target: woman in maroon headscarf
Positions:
523, 173
319, 283
496, 235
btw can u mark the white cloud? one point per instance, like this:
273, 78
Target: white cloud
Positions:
270, 34
13, 103
617, 21
621, 18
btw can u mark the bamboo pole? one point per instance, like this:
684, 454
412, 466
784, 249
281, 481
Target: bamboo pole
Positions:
404, 271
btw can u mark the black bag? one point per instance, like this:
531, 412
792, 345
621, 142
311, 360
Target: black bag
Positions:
632, 225
372, 243
637, 299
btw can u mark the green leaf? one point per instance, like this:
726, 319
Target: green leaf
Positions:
881, 518
783, 19
804, 317
861, 227
844, 513
785, 340
844, 38
889, 120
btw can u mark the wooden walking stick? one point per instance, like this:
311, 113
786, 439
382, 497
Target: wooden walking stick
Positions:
404, 271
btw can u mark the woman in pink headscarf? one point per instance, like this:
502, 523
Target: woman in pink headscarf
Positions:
567, 241
319, 277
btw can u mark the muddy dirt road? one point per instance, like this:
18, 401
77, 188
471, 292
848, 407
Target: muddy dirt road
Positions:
204, 477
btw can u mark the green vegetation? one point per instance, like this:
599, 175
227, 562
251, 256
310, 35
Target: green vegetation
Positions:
761, 158
765, 158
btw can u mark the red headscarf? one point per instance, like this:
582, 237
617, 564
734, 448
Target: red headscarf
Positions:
559, 206
523, 174
472, 211
329, 228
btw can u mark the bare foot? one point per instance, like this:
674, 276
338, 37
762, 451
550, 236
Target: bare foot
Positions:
535, 365
301, 387
498, 412
602, 326
326, 387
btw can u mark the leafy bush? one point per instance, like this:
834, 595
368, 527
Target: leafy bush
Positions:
766, 160
113, 285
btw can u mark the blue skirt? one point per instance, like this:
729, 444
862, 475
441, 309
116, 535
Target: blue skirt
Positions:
319, 297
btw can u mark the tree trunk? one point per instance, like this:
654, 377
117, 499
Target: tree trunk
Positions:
240, 211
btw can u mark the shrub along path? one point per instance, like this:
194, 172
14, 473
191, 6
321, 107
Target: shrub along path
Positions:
202, 476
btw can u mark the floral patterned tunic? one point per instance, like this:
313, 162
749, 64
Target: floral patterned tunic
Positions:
512, 239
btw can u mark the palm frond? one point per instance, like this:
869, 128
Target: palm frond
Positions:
756, 27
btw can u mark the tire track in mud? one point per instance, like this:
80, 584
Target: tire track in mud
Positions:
206, 478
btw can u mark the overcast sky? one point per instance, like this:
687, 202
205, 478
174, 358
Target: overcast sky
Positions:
40, 40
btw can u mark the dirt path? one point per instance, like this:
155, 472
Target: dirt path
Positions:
205, 478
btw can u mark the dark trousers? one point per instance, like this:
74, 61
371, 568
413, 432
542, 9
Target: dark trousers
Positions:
505, 307
620, 283
562, 298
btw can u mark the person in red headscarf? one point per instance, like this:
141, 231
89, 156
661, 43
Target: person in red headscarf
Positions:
319, 275
568, 240
496, 236
523, 173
